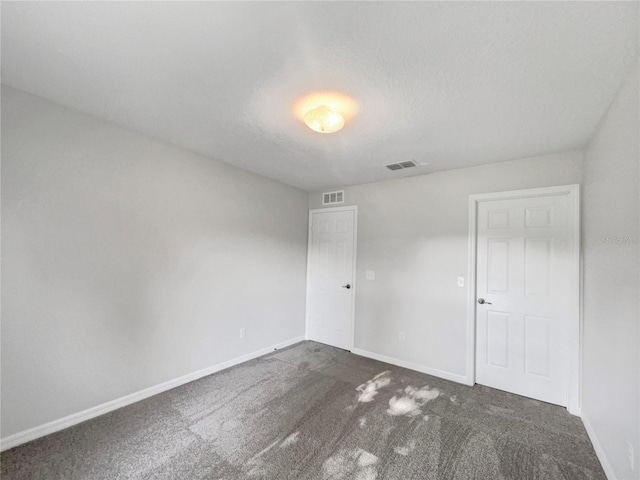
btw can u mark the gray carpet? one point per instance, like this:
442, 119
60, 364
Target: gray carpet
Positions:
315, 412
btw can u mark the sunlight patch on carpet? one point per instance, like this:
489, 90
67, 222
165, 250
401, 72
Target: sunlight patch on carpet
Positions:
369, 390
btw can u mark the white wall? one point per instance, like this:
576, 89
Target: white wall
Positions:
611, 210
127, 262
413, 233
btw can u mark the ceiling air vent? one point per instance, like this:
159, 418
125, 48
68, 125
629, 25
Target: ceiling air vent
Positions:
401, 165
408, 164
333, 198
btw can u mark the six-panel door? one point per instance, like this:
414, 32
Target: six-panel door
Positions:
331, 277
523, 271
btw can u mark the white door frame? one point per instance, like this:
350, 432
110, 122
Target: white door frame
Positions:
573, 351
354, 209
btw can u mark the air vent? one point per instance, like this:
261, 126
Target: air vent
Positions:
408, 164
401, 165
332, 198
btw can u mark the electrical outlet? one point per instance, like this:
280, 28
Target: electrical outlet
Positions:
401, 336
243, 332
631, 455
371, 275
461, 281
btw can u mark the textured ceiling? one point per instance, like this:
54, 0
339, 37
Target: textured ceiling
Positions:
453, 84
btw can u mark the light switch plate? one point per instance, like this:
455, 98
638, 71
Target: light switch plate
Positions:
461, 281
371, 275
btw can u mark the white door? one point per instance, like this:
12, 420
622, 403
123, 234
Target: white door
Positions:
524, 271
331, 273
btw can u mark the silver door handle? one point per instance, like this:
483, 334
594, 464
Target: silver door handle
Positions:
347, 286
481, 301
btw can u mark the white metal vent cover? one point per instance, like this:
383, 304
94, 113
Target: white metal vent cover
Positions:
333, 198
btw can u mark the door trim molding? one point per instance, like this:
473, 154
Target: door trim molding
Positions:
574, 344
354, 286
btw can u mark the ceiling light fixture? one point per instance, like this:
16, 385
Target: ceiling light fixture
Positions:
322, 119
325, 111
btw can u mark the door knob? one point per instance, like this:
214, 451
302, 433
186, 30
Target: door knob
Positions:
481, 301
347, 286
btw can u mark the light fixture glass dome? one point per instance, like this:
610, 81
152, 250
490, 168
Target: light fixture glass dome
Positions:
324, 120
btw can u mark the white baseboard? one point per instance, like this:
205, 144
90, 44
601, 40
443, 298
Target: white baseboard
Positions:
604, 461
414, 366
75, 418
577, 411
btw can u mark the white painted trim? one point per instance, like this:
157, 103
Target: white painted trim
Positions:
354, 281
413, 366
307, 290
471, 293
75, 418
604, 461
526, 193
574, 350
354, 209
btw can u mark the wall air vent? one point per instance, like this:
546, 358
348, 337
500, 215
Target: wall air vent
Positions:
401, 165
333, 198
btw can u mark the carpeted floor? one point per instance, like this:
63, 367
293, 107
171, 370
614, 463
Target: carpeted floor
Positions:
315, 412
